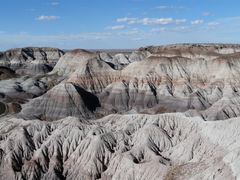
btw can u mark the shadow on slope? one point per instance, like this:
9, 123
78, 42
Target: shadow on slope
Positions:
89, 99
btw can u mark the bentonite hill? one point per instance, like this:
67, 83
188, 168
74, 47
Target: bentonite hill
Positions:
159, 112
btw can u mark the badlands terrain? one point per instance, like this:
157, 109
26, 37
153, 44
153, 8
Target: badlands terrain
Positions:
159, 112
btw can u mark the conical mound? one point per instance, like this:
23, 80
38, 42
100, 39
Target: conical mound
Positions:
62, 101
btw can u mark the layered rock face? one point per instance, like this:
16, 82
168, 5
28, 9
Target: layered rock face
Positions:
163, 112
30, 61
24, 75
194, 79
61, 101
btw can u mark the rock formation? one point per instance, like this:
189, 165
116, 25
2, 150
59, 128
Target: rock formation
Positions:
61, 101
159, 112
30, 61
6, 73
168, 146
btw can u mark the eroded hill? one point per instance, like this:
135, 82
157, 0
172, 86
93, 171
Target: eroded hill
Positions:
164, 112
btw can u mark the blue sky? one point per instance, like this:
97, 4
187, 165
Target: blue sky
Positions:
117, 23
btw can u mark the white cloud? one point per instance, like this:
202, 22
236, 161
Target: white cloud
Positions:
162, 7
131, 32
158, 30
119, 27
55, 3
197, 22
213, 24
152, 21
47, 18
126, 19
169, 7
41, 40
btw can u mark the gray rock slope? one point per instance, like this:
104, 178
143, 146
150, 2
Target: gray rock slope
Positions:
199, 80
61, 101
159, 112
31, 60
168, 146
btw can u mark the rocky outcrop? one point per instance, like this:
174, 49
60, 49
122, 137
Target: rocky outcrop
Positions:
120, 60
61, 101
78, 58
22, 88
72, 61
30, 60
